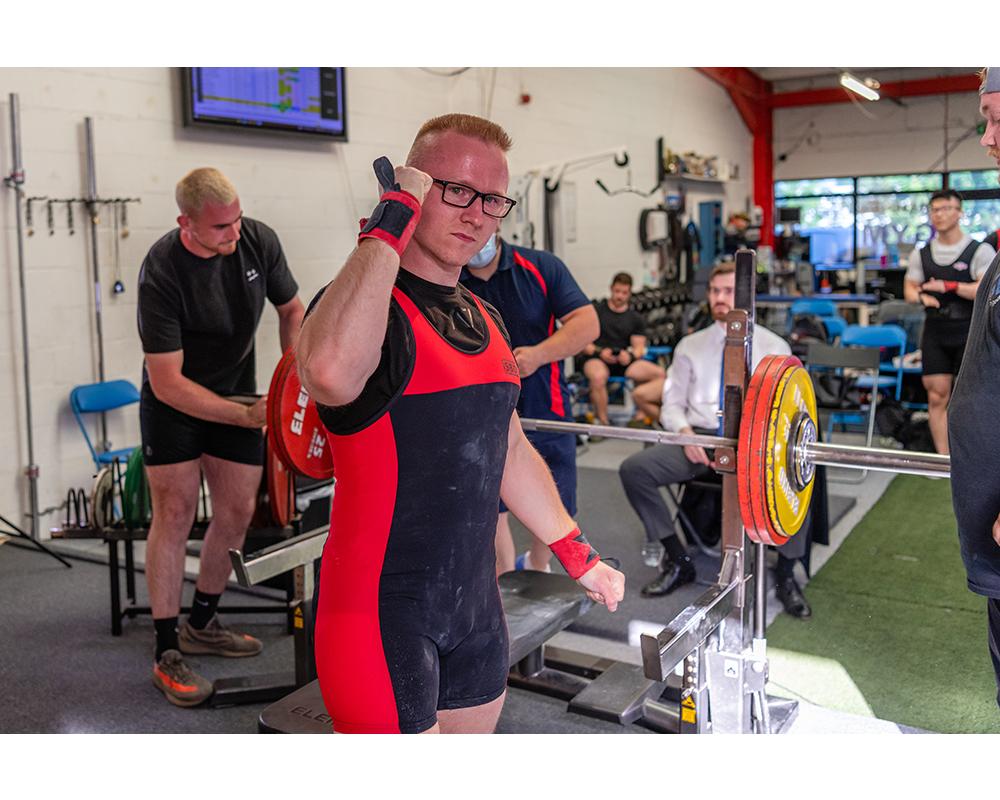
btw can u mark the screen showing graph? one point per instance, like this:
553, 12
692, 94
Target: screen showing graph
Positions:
298, 99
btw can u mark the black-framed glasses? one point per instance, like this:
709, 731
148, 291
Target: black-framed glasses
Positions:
462, 196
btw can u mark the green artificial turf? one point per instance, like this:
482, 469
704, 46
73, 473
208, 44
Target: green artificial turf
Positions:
895, 633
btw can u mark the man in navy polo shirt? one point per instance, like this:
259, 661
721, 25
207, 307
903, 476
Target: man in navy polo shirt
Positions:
533, 289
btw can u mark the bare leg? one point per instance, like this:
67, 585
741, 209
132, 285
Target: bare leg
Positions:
476, 719
504, 545
174, 494
641, 373
648, 398
596, 372
233, 489
540, 554
938, 394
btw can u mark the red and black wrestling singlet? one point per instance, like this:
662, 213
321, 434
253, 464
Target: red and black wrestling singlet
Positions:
409, 618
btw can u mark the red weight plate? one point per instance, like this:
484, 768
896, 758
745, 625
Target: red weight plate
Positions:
743, 479
769, 476
746, 479
299, 435
748, 473
274, 405
279, 491
778, 379
771, 369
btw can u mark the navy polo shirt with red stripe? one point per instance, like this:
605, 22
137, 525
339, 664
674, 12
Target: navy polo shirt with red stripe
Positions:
532, 289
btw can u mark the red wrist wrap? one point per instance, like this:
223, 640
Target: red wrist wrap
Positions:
951, 286
393, 220
575, 554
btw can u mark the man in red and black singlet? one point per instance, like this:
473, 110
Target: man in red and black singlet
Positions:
417, 385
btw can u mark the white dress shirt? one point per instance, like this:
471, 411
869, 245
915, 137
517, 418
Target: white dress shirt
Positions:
691, 390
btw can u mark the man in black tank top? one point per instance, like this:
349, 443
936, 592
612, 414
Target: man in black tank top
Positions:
943, 276
972, 421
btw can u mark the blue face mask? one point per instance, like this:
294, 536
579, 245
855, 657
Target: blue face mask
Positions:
484, 256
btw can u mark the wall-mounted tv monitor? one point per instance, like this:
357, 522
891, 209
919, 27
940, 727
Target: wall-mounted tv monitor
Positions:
306, 100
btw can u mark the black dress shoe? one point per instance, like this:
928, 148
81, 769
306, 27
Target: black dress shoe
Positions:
792, 599
674, 574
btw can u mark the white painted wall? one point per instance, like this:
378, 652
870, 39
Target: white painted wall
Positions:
311, 192
895, 139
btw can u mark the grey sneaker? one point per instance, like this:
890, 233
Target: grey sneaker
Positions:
652, 553
217, 640
181, 685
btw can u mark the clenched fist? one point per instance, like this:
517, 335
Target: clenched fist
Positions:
414, 181
604, 584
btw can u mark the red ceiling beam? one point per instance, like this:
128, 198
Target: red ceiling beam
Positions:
755, 101
917, 88
752, 97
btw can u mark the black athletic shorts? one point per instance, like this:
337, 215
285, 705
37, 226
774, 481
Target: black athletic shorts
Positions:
614, 370
170, 436
942, 345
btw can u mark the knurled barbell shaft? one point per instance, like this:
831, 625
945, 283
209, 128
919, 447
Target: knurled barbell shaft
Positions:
633, 434
831, 455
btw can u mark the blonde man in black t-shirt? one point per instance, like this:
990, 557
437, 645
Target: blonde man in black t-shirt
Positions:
619, 349
202, 289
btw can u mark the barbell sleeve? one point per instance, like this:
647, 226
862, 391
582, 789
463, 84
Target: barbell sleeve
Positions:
908, 462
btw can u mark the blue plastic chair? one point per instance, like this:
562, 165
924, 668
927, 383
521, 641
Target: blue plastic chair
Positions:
653, 352
885, 338
94, 398
835, 327
826, 310
809, 305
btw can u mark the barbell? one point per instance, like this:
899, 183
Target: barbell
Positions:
776, 453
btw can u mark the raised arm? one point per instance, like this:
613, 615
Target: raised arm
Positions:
341, 340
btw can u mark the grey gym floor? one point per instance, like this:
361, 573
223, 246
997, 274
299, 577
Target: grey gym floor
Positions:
62, 671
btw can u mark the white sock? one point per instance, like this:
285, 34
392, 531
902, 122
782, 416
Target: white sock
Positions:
529, 564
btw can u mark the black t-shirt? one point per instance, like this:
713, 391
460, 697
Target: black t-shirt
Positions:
210, 307
617, 328
453, 313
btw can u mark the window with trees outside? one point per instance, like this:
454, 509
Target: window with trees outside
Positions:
879, 219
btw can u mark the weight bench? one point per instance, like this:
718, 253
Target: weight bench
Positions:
538, 605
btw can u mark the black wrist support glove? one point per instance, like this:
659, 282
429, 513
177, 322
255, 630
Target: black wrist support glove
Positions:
395, 217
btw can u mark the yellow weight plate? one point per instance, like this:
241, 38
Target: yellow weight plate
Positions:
793, 415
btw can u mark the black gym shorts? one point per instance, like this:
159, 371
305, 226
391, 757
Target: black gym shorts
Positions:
614, 370
170, 436
942, 345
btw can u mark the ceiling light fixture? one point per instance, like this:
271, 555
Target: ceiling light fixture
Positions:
866, 88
